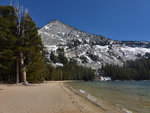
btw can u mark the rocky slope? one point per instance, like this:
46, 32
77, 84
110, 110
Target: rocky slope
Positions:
88, 49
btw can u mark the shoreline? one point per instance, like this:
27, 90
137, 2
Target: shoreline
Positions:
49, 97
97, 102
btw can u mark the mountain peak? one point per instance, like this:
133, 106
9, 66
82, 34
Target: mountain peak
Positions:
55, 21
89, 49
60, 32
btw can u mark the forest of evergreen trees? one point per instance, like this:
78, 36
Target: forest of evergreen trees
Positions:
132, 70
70, 70
20, 47
23, 57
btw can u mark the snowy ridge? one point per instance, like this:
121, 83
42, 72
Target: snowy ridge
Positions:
88, 49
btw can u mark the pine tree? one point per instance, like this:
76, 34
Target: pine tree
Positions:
53, 58
8, 29
31, 58
62, 59
21, 49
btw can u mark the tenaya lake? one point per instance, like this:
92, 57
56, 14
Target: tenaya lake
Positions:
130, 96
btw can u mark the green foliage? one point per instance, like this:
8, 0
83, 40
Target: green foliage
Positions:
53, 58
60, 50
76, 43
8, 29
27, 41
71, 71
32, 47
132, 70
37, 71
70, 45
84, 59
94, 57
62, 59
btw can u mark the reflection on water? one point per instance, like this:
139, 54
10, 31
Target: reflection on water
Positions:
131, 95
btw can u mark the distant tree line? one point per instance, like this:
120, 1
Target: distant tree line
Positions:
70, 69
132, 70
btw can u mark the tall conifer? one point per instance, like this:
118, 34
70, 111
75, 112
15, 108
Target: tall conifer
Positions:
31, 55
7, 40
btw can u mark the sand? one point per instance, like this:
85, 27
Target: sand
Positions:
51, 97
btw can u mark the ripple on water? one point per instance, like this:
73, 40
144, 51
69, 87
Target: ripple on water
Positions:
129, 96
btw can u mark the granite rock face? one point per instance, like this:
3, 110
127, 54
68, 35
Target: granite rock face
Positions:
88, 49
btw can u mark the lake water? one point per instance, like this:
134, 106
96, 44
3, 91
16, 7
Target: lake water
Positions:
129, 96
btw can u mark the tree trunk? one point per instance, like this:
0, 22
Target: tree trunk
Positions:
23, 69
17, 71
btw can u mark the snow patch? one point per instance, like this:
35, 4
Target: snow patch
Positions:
59, 64
46, 27
105, 78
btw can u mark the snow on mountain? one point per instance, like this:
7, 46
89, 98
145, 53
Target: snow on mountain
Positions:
88, 49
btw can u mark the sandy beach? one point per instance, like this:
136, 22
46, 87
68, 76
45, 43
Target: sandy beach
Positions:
52, 97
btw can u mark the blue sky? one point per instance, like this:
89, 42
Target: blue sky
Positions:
115, 19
